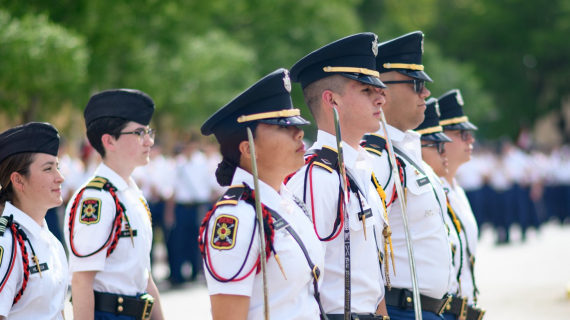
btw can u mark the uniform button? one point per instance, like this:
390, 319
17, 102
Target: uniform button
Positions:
409, 299
120, 309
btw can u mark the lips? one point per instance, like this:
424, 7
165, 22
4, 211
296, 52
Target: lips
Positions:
301, 148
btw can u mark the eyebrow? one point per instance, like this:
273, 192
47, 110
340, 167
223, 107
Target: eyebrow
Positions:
49, 162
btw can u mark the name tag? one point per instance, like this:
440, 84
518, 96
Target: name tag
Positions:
422, 181
280, 224
43, 267
127, 234
367, 213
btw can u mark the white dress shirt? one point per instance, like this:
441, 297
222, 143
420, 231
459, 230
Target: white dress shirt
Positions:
193, 184
288, 299
425, 217
44, 297
462, 209
126, 270
367, 283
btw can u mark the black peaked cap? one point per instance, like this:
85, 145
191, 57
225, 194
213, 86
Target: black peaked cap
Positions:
267, 101
128, 104
404, 55
430, 128
452, 115
36, 137
352, 57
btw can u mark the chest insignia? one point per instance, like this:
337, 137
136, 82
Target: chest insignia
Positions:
224, 232
90, 211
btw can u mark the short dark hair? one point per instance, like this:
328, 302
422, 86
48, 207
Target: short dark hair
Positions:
313, 92
99, 127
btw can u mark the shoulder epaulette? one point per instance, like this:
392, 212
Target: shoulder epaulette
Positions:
97, 183
232, 196
374, 143
327, 158
3, 224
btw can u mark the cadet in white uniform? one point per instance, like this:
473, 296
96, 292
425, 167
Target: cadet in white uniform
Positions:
33, 266
399, 63
229, 238
462, 220
108, 224
342, 75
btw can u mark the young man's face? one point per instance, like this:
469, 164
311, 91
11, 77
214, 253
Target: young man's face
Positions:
360, 104
131, 148
404, 108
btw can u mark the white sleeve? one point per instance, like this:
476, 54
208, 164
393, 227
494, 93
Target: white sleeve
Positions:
12, 282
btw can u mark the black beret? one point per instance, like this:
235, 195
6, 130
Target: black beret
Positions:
36, 137
128, 104
267, 101
404, 55
430, 128
452, 116
352, 57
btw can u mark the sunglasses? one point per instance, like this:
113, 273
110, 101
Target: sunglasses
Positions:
419, 85
466, 134
439, 145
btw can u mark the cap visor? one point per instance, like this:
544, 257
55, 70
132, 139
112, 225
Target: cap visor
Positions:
371, 80
437, 137
461, 126
287, 121
415, 74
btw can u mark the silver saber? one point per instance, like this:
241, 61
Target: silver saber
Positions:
401, 195
259, 216
342, 170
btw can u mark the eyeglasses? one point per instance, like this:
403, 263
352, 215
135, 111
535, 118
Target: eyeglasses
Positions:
439, 145
141, 133
466, 134
418, 84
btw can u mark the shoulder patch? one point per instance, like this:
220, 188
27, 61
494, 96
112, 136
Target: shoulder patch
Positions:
374, 143
90, 211
232, 196
224, 232
327, 159
97, 183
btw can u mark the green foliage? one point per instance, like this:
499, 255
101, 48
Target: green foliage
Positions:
41, 63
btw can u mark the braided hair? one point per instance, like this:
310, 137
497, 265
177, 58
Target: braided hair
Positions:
19, 163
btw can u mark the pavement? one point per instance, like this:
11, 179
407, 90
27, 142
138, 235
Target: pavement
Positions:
520, 280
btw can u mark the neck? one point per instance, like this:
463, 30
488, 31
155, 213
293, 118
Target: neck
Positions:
32, 209
350, 138
269, 176
451, 171
122, 169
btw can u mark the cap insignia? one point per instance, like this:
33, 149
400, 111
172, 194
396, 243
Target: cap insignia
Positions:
287, 81
459, 98
423, 43
375, 45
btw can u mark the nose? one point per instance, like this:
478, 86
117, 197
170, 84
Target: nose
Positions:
381, 98
425, 93
59, 177
299, 133
148, 140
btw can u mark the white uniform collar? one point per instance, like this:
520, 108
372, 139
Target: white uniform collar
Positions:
104, 171
24, 220
350, 154
395, 134
269, 196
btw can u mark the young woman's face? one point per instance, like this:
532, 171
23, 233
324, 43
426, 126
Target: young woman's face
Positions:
279, 148
437, 161
43, 184
131, 148
459, 151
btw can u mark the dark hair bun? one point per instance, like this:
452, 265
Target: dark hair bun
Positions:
225, 173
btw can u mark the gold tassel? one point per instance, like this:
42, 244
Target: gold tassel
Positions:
38, 265
280, 266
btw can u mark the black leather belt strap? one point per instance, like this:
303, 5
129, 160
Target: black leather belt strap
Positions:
124, 305
358, 316
403, 298
281, 223
459, 307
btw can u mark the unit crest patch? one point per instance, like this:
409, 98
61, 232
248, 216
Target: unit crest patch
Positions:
90, 211
224, 233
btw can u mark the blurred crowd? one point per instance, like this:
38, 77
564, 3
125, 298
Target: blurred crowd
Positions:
505, 184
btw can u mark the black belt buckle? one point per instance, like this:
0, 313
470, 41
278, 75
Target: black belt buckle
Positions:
447, 301
148, 305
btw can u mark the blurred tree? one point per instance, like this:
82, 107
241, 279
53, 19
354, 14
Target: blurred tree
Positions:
41, 63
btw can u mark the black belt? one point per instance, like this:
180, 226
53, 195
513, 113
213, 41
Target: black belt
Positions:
403, 298
358, 316
140, 308
462, 310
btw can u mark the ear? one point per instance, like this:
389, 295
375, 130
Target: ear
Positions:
17, 181
109, 142
328, 99
245, 150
